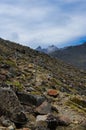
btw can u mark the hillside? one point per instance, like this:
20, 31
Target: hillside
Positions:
75, 55
31, 73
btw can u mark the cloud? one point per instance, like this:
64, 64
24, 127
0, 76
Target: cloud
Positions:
34, 22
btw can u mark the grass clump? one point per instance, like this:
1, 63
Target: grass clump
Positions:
11, 63
16, 84
77, 104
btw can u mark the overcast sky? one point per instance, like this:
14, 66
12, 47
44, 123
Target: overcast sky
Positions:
43, 22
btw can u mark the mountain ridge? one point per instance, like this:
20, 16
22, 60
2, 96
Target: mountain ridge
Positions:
47, 50
75, 55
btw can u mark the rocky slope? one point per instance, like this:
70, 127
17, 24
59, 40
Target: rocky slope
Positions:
75, 55
49, 94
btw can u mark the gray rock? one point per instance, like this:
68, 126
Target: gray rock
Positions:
44, 108
41, 118
46, 122
6, 122
11, 127
2, 128
10, 106
41, 123
28, 99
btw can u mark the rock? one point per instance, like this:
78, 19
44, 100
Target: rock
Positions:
63, 121
2, 77
28, 99
83, 124
26, 129
31, 121
44, 108
11, 127
41, 125
5, 66
30, 89
41, 118
6, 122
76, 122
54, 108
19, 118
31, 117
10, 106
46, 122
3, 128
52, 122
52, 92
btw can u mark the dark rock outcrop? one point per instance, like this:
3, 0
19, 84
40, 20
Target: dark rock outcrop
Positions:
11, 107
28, 99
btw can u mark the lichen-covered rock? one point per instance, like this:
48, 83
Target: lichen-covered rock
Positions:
10, 106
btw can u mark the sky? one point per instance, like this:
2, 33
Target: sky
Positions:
43, 22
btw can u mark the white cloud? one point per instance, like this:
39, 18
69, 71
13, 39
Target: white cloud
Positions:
43, 22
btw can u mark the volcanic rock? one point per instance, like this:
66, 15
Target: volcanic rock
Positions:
10, 106
27, 99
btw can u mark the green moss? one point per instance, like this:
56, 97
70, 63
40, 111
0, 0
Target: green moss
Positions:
56, 81
11, 63
78, 101
77, 104
35, 93
16, 84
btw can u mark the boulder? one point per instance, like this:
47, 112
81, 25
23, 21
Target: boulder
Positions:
10, 106
27, 99
44, 108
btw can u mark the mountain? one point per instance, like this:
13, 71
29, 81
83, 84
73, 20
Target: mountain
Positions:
51, 93
75, 55
47, 50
